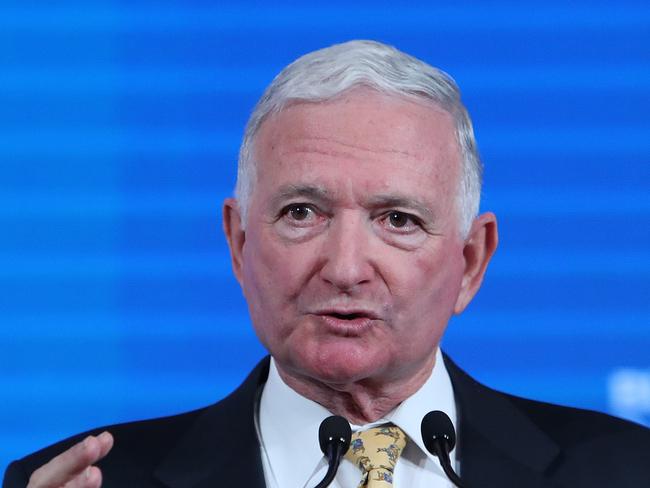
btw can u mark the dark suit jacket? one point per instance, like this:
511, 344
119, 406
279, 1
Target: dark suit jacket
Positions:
505, 441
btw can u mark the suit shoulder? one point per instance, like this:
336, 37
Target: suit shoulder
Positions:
564, 425
142, 443
594, 445
569, 426
142, 446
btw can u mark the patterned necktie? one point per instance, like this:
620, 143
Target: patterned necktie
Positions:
376, 451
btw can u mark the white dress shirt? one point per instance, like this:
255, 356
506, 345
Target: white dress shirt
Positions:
287, 427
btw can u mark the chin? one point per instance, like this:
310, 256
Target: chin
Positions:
338, 364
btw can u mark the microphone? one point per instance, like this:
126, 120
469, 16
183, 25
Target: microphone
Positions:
334, 435
440, 438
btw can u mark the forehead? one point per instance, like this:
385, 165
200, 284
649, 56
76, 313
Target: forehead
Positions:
365, 137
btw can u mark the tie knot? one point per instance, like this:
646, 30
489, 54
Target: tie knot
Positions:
376, 451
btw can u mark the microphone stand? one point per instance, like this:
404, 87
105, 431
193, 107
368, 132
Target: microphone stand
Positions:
441, 450
439, 438
335, 452
334, 435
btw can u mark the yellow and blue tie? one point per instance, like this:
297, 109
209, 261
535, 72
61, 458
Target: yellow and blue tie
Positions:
376, 451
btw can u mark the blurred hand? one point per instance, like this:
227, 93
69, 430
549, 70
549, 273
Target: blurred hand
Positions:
74, 467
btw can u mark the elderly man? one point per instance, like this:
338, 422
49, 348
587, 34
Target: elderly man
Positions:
355, 237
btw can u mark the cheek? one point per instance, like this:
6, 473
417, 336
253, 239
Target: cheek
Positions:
429, 288
273, 273
261, 273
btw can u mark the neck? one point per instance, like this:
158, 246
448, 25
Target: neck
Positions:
360, 402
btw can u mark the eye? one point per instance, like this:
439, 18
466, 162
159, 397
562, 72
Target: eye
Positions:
299, 212
400, 221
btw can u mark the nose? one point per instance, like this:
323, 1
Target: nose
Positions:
346, 251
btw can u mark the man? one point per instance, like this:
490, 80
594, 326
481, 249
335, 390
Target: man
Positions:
355, 237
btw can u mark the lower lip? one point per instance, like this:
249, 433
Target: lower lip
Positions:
346, 327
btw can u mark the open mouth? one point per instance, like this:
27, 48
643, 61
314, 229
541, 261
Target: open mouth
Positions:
347, 324
348, 316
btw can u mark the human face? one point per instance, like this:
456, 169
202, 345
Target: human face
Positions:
351, 259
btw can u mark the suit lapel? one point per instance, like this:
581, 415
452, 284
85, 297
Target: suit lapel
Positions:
499, 445
221, 448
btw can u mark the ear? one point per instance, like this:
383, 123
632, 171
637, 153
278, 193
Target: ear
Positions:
235, 234
480, 245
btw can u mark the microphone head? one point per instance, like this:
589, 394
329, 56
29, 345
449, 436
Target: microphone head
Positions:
436, 427
334, 430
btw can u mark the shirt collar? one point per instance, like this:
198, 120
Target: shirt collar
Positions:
288, 425
435, 394
288, 422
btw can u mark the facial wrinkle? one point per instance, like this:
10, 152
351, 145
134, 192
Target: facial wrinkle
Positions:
372, 150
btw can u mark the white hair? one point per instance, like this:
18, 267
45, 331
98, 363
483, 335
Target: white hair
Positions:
327, 73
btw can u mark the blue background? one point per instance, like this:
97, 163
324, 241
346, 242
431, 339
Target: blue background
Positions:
119, 130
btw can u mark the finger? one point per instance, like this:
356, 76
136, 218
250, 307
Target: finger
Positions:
106, 444
72, 462
91, 477
66, 465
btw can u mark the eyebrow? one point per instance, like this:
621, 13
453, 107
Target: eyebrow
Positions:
320, 194
401, 201
311, 192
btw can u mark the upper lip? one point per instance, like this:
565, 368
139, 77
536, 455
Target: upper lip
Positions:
358, 312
